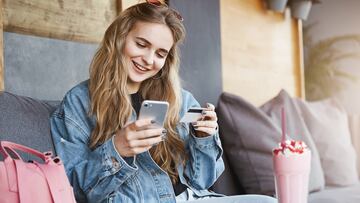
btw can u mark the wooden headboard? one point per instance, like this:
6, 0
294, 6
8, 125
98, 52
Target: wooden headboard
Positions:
261, 51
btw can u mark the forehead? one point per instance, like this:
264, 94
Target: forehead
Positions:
159, 35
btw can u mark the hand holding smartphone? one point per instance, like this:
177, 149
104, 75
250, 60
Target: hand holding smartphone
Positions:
141, 135
154, 110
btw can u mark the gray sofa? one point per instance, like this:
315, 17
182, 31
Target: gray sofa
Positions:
24, 120
249, 134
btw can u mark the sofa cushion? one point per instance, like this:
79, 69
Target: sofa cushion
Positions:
328, 124
25, 121
354, 125
226, 184
249, 134
350, 194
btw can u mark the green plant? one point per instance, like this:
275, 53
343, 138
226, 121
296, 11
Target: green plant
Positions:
323, 76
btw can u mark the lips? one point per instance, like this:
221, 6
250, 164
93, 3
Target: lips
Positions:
139, 68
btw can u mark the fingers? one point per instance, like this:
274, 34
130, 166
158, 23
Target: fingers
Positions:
207, 124
129, 142
144, 143
140, 124
208, 131
144, 138
207, 127
209, 115
210, 107
143, 134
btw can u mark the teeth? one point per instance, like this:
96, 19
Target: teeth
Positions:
140, 67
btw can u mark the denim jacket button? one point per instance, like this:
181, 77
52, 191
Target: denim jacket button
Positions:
115, 163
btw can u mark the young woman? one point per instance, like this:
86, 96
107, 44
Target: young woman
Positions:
110, 155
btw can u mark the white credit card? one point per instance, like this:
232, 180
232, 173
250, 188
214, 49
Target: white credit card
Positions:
192, 115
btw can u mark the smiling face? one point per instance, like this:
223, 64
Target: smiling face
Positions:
147, 46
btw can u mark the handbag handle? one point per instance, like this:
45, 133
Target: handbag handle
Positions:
12, 146
3, 152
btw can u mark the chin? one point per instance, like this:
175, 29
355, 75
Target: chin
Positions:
138, 79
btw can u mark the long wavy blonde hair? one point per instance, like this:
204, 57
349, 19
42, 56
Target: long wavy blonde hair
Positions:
110, 100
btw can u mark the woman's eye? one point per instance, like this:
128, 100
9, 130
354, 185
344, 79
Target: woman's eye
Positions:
161, 55
140, 45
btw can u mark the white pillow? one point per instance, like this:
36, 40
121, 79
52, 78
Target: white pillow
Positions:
328, 124
354, 124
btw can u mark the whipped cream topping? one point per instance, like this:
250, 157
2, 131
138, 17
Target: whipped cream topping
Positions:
291, 147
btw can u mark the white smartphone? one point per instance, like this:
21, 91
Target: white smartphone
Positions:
192, 115
155, 110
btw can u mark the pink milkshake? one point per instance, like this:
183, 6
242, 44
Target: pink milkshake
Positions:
291, 162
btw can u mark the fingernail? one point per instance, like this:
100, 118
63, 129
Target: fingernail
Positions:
153, 121
203, 112
207, 105
196, 127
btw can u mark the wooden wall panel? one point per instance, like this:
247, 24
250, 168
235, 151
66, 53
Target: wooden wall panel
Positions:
75, 20
260, 51
127, 3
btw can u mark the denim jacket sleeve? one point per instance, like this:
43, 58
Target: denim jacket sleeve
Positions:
204, 164
94, 174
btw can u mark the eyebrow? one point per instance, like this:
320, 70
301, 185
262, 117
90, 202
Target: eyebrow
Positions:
147, 42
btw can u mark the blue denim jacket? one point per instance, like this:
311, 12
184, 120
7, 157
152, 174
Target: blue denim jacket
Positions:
102, 175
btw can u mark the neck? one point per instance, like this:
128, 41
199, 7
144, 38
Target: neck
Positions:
133, 87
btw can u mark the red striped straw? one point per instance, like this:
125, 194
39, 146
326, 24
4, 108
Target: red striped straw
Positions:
283, 126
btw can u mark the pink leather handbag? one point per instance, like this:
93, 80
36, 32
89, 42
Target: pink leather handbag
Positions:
30, 182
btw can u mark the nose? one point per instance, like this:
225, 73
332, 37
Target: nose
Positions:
148, 58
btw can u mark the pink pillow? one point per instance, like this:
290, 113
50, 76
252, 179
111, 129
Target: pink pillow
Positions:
328, 125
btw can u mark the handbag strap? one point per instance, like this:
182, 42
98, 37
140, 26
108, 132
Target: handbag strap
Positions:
9, 162
12, 146
57, 183
5, 154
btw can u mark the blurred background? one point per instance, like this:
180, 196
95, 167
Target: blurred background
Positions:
245, 47
332, 52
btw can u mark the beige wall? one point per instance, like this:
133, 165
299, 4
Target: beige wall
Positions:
345, 22
260, 51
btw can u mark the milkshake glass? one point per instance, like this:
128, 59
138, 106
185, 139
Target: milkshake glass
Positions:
291, 163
